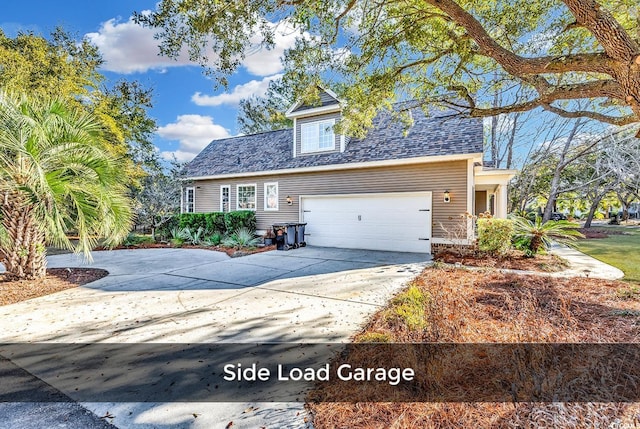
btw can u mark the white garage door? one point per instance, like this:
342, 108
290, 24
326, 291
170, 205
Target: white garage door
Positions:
391, 221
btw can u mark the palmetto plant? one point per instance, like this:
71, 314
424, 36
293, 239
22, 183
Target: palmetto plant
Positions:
193, 236
55, 177
537, 236
242, 237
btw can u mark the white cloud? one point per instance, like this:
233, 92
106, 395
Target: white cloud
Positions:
261, 61
239, 92
128, 47
194, 132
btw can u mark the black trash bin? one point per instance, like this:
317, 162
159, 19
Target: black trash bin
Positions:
292, 241
289, 235
300, 235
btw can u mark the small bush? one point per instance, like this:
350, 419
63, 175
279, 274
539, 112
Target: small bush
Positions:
494, 235
408, 308
176, 237
136, 239
240, 219
164, 232
374, 337
632, 292
242, 237
213, 240
538, 235
192, 236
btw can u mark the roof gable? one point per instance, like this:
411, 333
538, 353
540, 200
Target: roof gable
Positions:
328, 101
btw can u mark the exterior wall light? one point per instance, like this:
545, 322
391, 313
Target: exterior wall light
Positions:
289, 201
447, 197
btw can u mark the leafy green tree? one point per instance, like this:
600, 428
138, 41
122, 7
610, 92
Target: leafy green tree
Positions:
61, 67
55, 176
158, 201
123, 109
58, 67
258, 114
456, 52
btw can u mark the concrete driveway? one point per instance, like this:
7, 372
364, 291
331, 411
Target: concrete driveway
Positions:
200, 296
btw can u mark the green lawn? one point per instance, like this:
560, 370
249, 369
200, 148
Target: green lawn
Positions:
621, 251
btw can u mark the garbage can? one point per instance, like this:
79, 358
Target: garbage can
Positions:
292, 241
280, 230
300, 235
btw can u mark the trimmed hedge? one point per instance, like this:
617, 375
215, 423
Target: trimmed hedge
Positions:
224, 223
240, 219
494, 235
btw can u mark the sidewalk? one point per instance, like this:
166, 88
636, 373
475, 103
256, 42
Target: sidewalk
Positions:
581, 265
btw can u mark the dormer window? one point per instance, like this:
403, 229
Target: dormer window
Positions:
317, 136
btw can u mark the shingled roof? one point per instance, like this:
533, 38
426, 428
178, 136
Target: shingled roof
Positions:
439, 134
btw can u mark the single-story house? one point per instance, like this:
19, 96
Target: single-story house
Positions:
396, 189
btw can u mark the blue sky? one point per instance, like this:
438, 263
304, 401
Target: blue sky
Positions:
188, 111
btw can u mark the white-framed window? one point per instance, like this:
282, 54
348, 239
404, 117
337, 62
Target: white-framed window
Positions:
225, 198
189, 200
317, 136
247, 197
271, 196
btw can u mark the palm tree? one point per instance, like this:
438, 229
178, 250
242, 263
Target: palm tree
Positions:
55, 177
537, 235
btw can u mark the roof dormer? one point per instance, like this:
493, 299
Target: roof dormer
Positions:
313, 125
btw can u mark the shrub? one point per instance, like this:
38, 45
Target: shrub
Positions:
136, 239
374, 337
537, 236
408, 307
193, 236
164, 232
193, 221
176, 237
242, 237
494, 235
240, 219
213, 240
224, 223
215, 222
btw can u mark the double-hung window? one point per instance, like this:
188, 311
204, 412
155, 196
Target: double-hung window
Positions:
189, 200
317, 136
225, 194
246, 197
271, 196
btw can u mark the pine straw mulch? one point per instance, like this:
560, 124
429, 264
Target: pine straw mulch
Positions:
57, 279
513, 261
590, 233
232, 252
492, 307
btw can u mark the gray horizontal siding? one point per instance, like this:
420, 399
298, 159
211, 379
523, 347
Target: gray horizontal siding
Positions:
434, 177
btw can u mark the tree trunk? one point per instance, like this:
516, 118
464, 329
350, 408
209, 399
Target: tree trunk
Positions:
23, 253
592, 210
562, 164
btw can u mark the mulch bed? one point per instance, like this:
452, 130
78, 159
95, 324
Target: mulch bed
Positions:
600, 233
493, 307
233, 253
514, 261
56, 280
